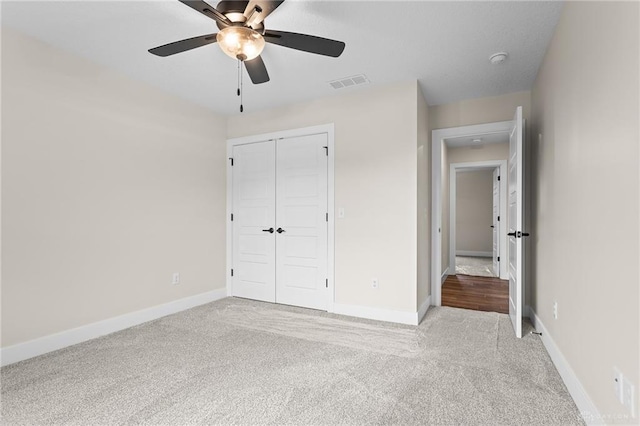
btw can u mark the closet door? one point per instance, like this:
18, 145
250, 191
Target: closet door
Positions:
254, 194
301, 221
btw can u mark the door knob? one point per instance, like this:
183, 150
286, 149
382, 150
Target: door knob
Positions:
270, 230
512, 234
280, 230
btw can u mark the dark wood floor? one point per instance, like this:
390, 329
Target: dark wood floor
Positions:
477, 293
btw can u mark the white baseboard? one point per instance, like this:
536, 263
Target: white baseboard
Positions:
401, 317
474, 253
52, 342
588, 410
422, 311
444, 276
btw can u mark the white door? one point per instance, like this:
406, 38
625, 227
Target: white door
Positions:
279, 242
254, 199
301, 219
495, 226
515, 222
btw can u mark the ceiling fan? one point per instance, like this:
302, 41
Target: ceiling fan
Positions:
242, 35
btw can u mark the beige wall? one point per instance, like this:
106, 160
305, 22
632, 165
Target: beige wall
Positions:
585, 184
474, 210
489, 152
424, 200
108, 187
479, 111
375, 182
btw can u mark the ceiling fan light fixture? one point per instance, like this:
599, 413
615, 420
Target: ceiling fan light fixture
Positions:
240, 42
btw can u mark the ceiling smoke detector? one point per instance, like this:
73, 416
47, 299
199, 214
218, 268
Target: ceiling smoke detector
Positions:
498, 58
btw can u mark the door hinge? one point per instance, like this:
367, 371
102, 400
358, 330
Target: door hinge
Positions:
326, 283
498, 258
498, 178
326, 217
231, 272
326, 150
231, 217
231, 159
498, 218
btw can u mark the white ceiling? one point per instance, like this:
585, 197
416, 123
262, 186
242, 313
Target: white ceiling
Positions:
443, 45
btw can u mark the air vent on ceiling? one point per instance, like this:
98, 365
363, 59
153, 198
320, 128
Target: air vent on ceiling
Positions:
354, 80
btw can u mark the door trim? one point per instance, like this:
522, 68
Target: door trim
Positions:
327, 129
438, 137
478, 165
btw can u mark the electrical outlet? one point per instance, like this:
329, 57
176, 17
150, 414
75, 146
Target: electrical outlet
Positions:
555, 309
175, 280
629, 396
374, 283
617, 383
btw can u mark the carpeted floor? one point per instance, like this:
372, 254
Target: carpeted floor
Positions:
236, 361
476, 266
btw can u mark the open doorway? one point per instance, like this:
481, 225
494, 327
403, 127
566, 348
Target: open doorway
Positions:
477, 211
477, 229
477, 277
443, 266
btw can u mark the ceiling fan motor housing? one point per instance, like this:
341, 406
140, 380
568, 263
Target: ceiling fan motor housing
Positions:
234, 10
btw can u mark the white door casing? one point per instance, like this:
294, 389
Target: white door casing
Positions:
301, 221
516, 222
495, 224
254, 190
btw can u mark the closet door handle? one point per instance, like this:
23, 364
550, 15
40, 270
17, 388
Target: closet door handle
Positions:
280, 230
270, 230
491, 226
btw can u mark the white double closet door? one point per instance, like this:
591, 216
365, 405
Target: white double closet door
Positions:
279, 240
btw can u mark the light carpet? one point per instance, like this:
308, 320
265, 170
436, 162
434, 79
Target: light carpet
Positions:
476, 266
236, 361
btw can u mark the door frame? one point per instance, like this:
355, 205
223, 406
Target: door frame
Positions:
438, 137
328, 129
479, 165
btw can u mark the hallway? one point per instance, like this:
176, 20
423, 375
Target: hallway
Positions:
477, 293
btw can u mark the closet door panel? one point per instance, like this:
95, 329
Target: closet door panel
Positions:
301, 207
254, 214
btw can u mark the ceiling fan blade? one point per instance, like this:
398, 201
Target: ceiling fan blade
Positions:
257, 71
183, 45
208, 11
306, 43
262, 9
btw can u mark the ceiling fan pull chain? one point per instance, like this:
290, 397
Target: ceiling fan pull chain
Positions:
238, 77
241, 90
